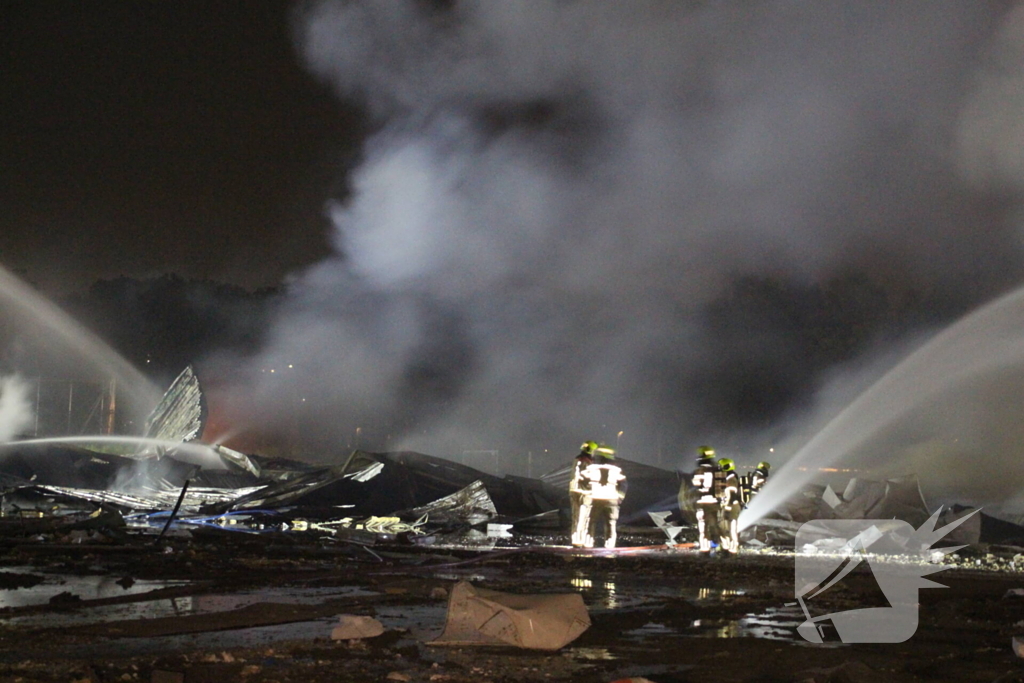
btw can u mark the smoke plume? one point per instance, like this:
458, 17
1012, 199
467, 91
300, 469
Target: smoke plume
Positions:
16, 413
579, 219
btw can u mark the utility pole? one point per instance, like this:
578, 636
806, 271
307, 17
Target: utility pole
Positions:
39, 383
111, 406
71, 398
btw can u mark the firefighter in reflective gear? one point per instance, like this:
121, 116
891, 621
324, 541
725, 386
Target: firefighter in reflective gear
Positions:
730, 497
760, 477
707, 502
579, 497
755, 481
607, 484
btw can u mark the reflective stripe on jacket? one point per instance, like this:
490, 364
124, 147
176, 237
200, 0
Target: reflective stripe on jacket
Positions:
605, 481
577, 484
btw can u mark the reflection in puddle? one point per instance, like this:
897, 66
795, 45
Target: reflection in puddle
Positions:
615, 592
716, 593
775, 623
85, 587
180, 606
591, 653
461, 577
649, 629
603, 595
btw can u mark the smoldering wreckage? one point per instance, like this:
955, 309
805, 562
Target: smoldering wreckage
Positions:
153, 563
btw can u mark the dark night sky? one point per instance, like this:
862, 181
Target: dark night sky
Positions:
142, 138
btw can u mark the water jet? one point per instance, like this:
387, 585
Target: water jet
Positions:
985, 343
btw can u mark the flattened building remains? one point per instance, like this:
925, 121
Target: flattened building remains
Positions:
212, 558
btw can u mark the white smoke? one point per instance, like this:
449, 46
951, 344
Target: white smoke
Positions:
558, 192
16, 413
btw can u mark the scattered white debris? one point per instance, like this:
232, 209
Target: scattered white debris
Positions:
353, 627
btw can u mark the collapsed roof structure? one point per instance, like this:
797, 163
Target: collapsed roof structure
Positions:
213, 480
891, 499
207, 484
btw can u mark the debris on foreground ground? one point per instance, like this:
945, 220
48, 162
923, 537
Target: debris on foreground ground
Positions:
266, 558
354, 627
478, 616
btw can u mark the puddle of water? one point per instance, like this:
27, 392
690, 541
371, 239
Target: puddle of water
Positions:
424, 621
591, 653
775, 623
649, 629
608, 592
421, 622
184, 606
85, 587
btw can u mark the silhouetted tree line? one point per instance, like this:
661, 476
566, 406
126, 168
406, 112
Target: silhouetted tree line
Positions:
762, 349
773, 339
164, 323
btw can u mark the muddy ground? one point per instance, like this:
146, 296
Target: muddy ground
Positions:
225, 606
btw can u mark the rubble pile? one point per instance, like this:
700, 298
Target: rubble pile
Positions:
153, 564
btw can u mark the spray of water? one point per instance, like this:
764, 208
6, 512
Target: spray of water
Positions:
196, 453
990, 340
15, 408
24, 302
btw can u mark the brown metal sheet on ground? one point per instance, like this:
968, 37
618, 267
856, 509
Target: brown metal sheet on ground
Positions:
478, 616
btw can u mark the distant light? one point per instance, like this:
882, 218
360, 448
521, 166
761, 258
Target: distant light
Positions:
303, 400
290, 365
771, 450
272, 369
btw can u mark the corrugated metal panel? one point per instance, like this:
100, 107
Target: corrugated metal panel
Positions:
181, 414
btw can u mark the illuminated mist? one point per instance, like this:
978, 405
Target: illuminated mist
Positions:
42, 324
931, 415
558, 197
16, 414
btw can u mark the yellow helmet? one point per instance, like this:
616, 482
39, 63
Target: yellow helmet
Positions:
605, 451
588, 447
726, 464
706, 452
763, 466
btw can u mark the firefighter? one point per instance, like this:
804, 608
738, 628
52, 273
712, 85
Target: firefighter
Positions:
607, 485
579, 498
707, 502
754, 482
731, 505
760, 477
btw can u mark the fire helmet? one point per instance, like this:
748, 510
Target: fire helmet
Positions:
606, 452
763, 466
706, 452
726, 464
588, 447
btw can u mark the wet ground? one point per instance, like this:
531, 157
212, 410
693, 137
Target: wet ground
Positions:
232, 607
